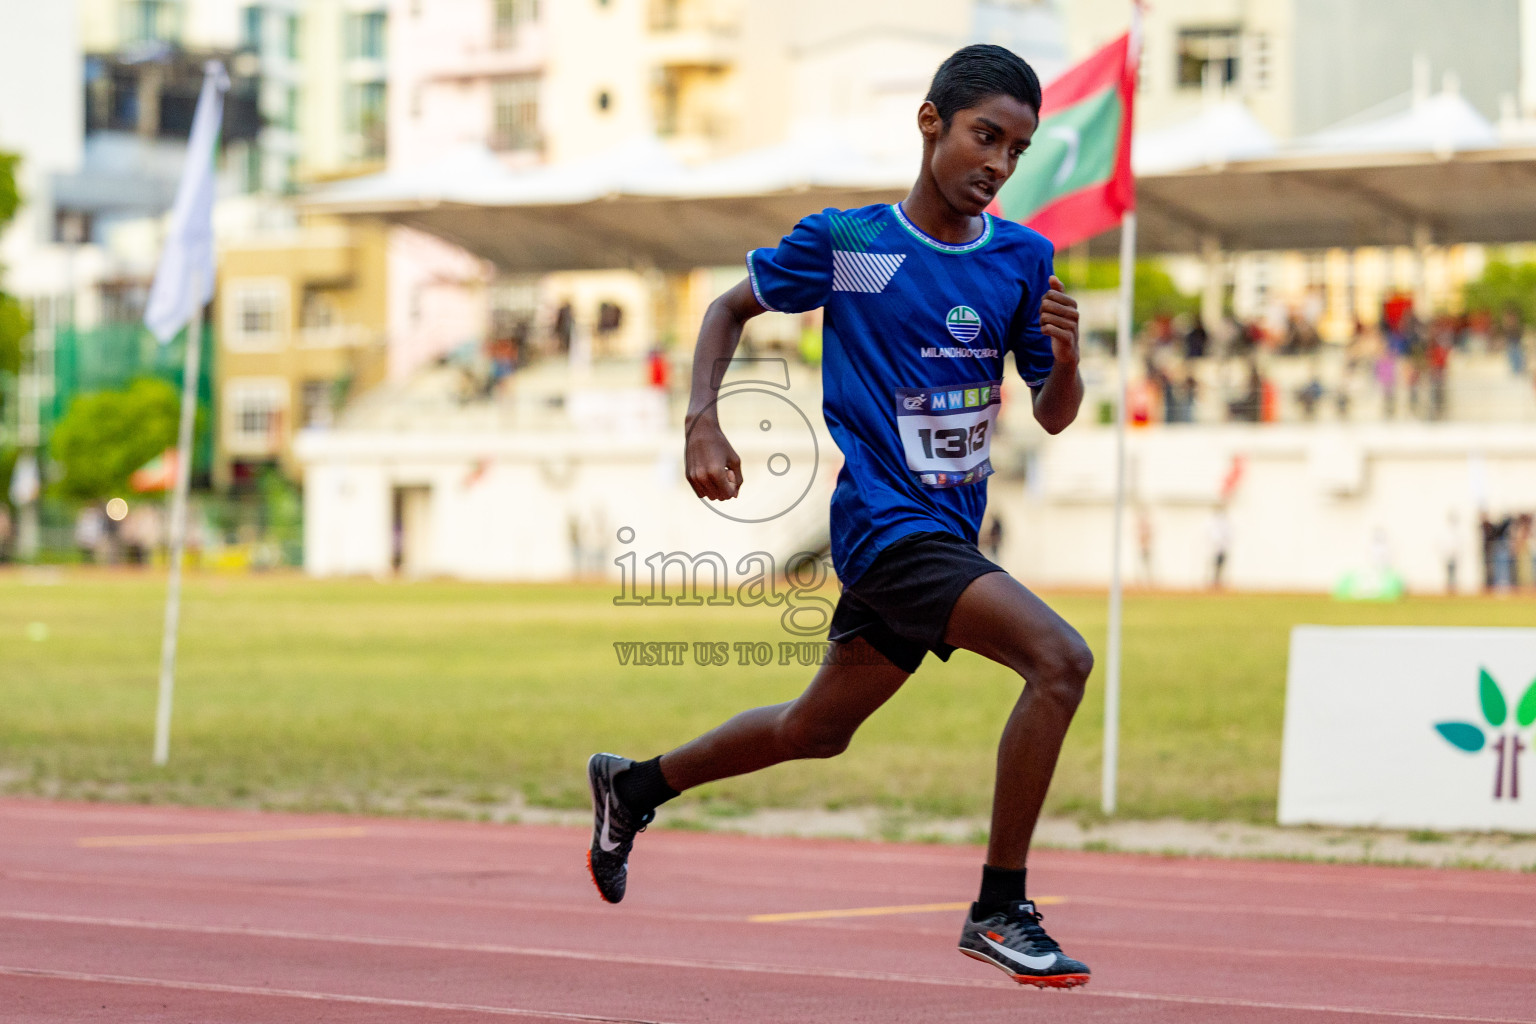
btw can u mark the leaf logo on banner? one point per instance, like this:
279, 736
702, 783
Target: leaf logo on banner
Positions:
1509, 746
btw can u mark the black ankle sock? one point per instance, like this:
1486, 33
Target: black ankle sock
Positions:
999, 887
642, 787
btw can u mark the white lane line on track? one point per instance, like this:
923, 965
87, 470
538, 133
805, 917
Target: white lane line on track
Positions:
1165, 906
741, 967
306, 892
324, 997
1388, 916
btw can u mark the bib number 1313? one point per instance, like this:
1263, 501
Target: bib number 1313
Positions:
953, 442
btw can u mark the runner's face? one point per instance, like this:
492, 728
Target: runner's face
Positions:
979, 150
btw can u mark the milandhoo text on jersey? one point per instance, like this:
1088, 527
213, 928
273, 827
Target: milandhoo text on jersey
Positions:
954, 352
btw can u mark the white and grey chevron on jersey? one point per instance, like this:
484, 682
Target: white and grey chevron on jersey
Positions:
864, 271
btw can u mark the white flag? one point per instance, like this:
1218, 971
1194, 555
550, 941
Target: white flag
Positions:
25, 480
184, 279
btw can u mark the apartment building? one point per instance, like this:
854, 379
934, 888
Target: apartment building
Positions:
543, 82
1302, 66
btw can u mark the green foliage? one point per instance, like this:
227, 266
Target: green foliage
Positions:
13, 318
8, 455
1494, 708
105, 436
10, 195
1464, 735
285, 515
1501, 286
1156, 294
14, 326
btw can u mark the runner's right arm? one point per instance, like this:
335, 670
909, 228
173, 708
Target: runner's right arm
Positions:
713, 467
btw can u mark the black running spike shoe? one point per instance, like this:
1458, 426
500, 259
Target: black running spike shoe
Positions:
1015, 943
614, 827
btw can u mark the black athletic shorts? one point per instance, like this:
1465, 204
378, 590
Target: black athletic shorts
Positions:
901, 605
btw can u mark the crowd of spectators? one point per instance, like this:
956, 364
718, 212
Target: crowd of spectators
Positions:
1509, 552
1403, 359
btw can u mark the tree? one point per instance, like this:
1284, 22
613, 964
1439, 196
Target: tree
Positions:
1156, 293
10, 195
105, 436
1501, 286
14, 324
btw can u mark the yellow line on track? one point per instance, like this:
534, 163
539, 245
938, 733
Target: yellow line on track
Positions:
208, 838
915, 908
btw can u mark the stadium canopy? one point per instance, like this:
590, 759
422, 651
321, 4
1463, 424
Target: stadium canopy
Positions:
1433, 174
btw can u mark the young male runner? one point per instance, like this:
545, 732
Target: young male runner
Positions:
922, 299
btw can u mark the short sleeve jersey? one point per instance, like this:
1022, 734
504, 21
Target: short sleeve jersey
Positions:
914, 335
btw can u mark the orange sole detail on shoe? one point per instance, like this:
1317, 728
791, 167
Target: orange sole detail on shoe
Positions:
593, 875
1037, 980
1052, 981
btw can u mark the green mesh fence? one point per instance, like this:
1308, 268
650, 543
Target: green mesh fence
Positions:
112, 356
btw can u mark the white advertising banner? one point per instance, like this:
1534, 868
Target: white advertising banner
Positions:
1410, 728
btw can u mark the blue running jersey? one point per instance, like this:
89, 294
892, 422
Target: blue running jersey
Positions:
912, 360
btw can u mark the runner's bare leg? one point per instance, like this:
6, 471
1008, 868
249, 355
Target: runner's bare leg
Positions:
846, 690
998, 618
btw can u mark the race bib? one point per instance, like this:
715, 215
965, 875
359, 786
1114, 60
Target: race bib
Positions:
946, 433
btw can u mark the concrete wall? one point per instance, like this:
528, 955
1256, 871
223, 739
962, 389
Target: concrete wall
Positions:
1309, 506
550, 506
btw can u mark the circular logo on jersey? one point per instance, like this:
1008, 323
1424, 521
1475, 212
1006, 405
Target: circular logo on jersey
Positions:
963, 323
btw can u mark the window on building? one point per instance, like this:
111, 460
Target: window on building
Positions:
515, 114
669, 96
366, 119
1257, 60
255, 314
1215, 49
317, 407
604, 100
258, 315
366, 35
510, 15
666, 14
150, 21
291, 36
255, 409
252, 167
290, 119
316, 310
250, 28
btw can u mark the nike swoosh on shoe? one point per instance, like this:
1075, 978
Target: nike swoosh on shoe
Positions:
606, 844
1035, 963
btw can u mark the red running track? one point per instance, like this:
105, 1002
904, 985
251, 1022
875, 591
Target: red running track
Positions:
125, 914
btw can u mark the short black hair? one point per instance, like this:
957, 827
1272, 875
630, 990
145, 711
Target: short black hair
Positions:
972, 73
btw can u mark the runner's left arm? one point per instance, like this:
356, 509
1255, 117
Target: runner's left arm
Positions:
1057, 401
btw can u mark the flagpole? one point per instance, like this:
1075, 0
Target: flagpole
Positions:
1123, 372
178, 538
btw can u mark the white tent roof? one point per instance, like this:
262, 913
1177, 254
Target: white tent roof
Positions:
1432, 171
1220, 134
1444, 123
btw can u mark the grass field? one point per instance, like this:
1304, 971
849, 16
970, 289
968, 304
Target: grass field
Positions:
360, 695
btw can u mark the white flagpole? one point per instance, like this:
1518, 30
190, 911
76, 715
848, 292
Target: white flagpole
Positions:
1110, 781
1112, 655
183, 286
178, 536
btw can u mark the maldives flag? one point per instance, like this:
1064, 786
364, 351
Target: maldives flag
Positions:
1076, 179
